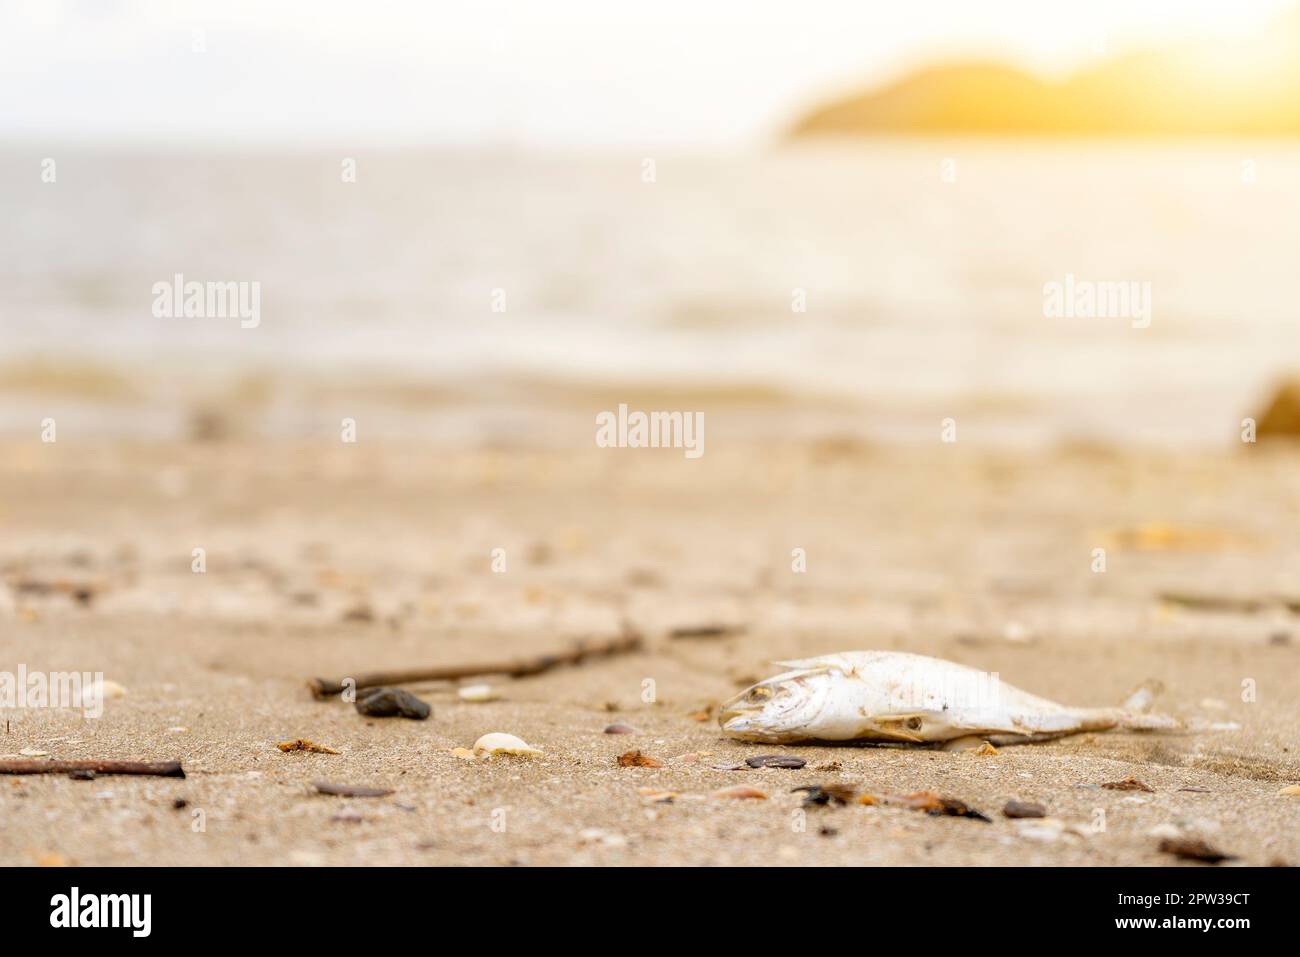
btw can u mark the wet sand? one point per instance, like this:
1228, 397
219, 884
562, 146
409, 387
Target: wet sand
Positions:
325, 559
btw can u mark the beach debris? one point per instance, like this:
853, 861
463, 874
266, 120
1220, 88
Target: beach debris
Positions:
1193, 849
360, 613
82, 592
1168, 537
712, 630
1023, 809
1228, 604
302, 744
165, 769
34, 753
775, 761
1196, 789
821, 795
1128, 784
1291, 790
391, 703
657, 796
498, 742
350, 790
635, 759
1048, 829
619, 728
107, 690
932, 803
626, 642
1281, 417
477, 694
594, 835
899, 697
693, 757
740, 793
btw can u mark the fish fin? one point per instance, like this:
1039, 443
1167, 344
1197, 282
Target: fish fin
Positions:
820, 663
1140, 699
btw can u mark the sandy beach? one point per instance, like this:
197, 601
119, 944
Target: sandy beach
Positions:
331, 559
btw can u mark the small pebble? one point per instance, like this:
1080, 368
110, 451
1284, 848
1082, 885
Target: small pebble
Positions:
1193, 849
775, 761
391, 703
477, 694
1024, 809
350, 790
621, 729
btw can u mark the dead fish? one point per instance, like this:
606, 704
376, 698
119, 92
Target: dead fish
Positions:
902, 698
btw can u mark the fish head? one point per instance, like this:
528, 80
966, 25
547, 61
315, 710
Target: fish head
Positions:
784, 708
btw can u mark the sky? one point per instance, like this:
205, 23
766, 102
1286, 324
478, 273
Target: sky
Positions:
537, 73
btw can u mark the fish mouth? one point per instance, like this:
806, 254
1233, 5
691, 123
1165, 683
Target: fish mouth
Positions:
746, 724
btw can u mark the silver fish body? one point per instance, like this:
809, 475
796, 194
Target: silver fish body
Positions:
894, 696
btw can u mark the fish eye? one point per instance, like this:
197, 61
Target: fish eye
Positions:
760, 694
913, 724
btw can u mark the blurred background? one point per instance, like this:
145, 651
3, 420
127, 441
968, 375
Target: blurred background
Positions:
841, 217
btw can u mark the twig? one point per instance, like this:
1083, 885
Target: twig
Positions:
1231, 603
706, 631
627, 642
162, 769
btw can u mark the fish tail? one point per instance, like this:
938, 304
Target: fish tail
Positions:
1135, 714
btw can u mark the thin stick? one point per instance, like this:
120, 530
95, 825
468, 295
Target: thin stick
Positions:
162, 769
518, 668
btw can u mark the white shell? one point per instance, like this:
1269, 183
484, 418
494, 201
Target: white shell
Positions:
498, 742
477, 693
109, 689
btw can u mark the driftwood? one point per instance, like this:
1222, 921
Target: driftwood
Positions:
162, 769
628, 641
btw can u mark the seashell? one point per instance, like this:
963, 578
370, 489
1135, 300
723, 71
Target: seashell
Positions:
477, 694
740, 792
498, 742
106, 689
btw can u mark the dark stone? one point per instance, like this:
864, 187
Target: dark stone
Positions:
391, 703
775, 761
